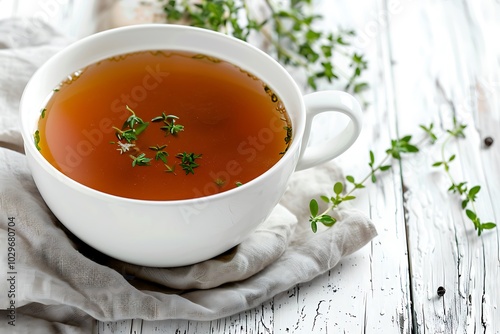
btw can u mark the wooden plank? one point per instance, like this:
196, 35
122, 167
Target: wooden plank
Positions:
115, 327
437, 69
257, 320
369, 291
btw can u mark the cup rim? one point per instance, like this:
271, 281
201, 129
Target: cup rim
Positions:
27, 121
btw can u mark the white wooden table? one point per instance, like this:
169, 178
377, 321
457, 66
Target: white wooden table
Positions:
428, 60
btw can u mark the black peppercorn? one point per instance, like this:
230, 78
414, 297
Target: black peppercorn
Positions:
488, 141
441, 291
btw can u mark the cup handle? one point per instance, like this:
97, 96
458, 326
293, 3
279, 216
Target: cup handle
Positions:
329, 101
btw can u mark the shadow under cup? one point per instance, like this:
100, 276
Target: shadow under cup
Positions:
161, 233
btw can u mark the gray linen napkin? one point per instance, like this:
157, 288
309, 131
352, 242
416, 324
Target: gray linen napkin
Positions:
61, 284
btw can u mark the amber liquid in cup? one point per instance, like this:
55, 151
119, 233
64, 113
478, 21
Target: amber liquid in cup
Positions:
232, 126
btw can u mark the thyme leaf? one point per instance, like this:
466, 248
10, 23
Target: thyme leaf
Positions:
188, 163
140, 160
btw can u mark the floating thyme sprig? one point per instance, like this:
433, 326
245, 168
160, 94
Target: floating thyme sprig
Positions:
188, 161
290, 33
140, 160
220, 182
133, 120
288, 138
398, 147
129, 135
36, 137
170, 126
160, 153
131, 128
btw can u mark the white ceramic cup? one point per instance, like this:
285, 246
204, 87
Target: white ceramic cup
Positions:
180, 232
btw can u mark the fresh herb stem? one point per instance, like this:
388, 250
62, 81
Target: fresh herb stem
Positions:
140, 160
129, 135
132, 120
135, 127
188, 163
160, 153
288, 31
170, 126
468, 196
398, 147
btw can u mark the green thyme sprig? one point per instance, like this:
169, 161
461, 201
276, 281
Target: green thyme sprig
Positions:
131, 128
468, 195
129, 135
140, 160
188, 163
398, 147
160, 153
36, 137
290, 34
170, 126
133, 120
